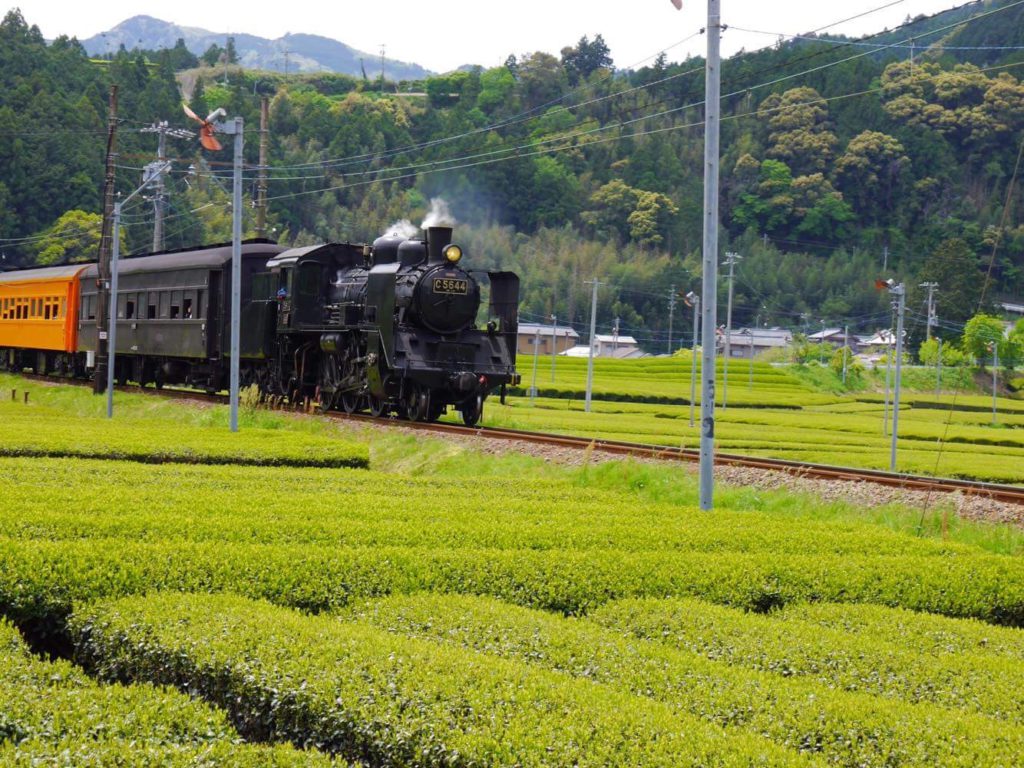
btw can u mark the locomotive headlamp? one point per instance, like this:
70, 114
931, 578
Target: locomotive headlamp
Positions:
452, 254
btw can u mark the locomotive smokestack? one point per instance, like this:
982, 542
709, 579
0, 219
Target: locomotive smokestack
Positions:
437, 239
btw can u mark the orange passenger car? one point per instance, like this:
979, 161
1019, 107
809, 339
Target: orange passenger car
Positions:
39, 309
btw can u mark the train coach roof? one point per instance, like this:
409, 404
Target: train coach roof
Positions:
293, 254
41, 273
204, 258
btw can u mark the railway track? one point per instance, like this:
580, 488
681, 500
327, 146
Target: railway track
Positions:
1010, 494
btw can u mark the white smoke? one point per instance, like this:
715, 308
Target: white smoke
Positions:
439, 215
404, 228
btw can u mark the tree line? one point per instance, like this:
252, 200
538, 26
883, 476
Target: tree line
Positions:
564, 168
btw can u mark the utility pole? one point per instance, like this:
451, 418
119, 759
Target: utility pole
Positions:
615, 337
846, 350
885, 259
261, 184
900, 292
237, 129
536, 357
99, 381
158, 189
888, 378
554, 344
709, 287
593, 331
671, 313
995, 381
730, 262
694, 299
938, 370
750, 377
931, 309
155, 172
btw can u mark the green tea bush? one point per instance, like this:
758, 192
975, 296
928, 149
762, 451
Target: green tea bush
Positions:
835, 657
52, 714
844, 728
40, 434
358, 691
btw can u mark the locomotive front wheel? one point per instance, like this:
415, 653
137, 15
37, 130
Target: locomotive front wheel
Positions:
350, 403
472, 410
417, 404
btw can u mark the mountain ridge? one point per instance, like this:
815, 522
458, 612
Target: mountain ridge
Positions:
295, 52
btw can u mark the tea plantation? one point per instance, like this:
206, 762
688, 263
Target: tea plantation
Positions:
302, 595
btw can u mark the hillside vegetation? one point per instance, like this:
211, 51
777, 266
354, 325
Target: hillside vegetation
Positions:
837, 155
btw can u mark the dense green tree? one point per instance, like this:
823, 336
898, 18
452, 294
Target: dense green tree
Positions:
585, 58
74, 237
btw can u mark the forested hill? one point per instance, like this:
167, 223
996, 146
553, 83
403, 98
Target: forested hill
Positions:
839, 157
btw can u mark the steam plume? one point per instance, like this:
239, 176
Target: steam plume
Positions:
403, 228
439, 215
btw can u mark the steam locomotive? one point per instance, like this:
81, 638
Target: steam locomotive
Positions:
392, 327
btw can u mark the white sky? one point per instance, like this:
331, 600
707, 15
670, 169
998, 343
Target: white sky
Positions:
443, 34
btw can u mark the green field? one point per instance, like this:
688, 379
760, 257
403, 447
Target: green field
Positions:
780, 412
446, 608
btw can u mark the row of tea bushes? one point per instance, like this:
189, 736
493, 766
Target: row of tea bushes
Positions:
850, 729
52, 714
834, 657
51, 434
355, 690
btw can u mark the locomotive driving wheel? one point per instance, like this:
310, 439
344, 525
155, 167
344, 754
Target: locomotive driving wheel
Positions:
472, 409
351, 402
378, 406
417, 403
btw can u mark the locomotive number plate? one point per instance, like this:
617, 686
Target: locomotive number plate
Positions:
451, 285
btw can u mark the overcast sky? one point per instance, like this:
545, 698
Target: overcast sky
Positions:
443, 34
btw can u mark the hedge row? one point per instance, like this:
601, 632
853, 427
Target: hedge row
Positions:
849, 729
52, 714
834, 658
385, 700
928, 634
53, 435
39, 580
361, 509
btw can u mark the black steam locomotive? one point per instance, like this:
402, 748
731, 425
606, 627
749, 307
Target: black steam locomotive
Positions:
389, 328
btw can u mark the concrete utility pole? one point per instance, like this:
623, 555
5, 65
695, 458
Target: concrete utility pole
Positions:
694, 299
846, 349
888, 379
885, 259
995, 382
158, 189
554, 344
900, 292
931, 309
671, 314
236, 128
593, 341
938, 370
536, 357
261, 184
99, 381
615, 337
156, 171
730, 261
709, 287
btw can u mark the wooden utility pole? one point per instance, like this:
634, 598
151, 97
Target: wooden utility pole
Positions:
261, 185
103, 297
